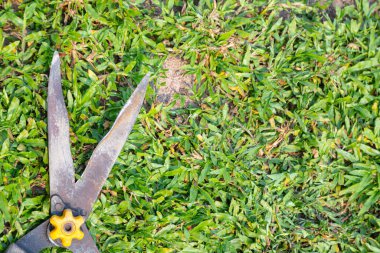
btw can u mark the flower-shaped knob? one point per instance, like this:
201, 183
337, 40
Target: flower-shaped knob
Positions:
66, 227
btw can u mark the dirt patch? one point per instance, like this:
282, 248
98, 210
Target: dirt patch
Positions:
328, 7
175, 82
336, 3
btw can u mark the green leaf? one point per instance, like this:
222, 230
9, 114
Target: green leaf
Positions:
193, 193
13, 108
92, 12
87, 140
207, 196
346, 155
129, 67
368, 150
371, 63
11, 48
92, 75
225, 36
29, 10
275, 26
4, 206
369, 203
357, 188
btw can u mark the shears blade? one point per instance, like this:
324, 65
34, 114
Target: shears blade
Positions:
61, 167
86, 245
87, 188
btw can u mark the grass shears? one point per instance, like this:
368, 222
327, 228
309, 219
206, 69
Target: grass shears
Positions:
72, 201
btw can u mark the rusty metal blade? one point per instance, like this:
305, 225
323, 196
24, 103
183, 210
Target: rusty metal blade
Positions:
35, 241
104, 156
61, 167
86, 245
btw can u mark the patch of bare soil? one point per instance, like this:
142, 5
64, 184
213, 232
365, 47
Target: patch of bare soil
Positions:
175, 82
336, 3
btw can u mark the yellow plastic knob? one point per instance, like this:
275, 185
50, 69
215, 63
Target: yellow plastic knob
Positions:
66, 227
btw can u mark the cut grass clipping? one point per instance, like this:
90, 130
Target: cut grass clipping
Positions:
278, 151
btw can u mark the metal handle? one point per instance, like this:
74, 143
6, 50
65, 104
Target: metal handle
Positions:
33, 242
15, 249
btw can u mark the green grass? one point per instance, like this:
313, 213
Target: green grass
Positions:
279, 153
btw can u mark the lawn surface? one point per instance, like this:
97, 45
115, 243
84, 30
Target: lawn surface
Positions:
278, 152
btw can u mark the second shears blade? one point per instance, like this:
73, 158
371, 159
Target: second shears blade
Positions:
104, 156
86, 245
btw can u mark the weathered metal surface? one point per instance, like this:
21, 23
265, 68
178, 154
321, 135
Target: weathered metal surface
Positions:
64, 192
61, 167
86, 245
33, 242
104, 156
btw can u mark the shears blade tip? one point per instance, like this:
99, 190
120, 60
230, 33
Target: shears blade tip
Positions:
55, 60
144, 82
